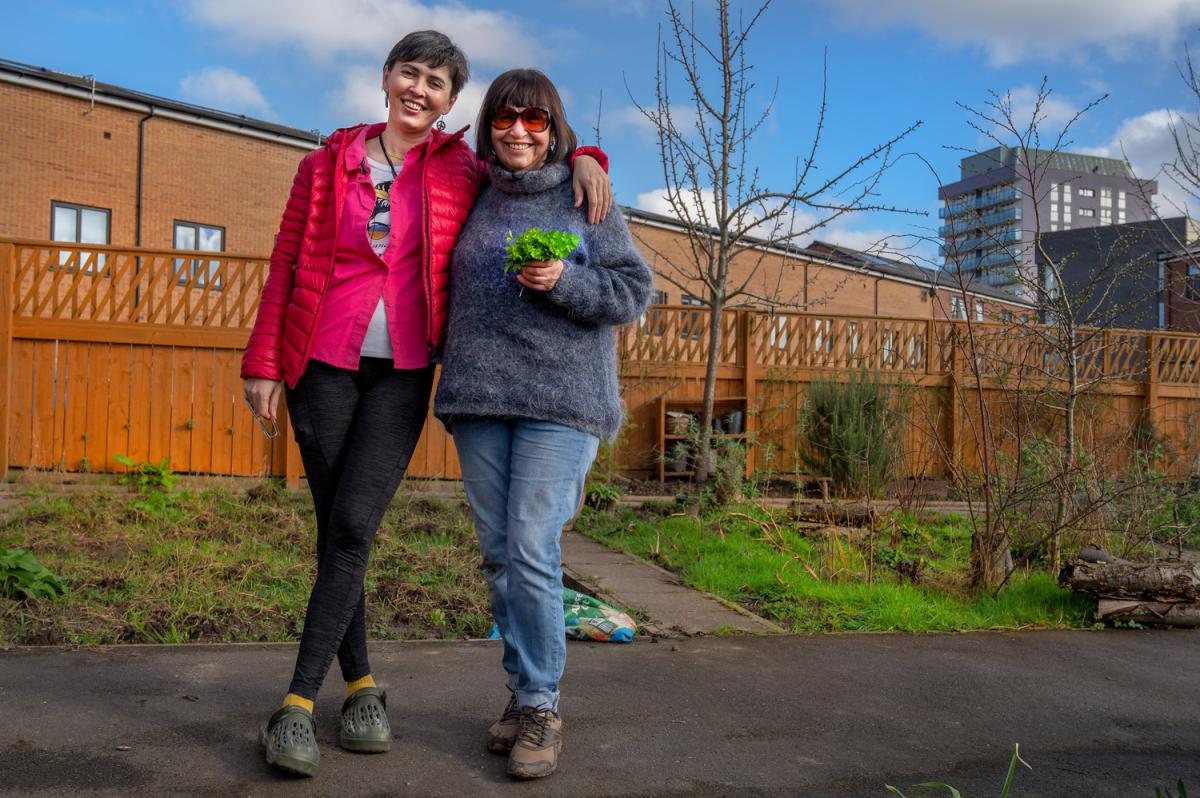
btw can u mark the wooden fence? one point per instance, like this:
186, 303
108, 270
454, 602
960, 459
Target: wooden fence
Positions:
107, 351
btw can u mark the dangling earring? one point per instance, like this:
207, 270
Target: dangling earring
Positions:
385, 98
441, 124
553, 146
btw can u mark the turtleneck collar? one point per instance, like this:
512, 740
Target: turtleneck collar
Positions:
529, 182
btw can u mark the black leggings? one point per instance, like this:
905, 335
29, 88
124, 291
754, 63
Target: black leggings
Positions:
357, 431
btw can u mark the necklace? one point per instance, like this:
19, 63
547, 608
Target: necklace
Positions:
389, 155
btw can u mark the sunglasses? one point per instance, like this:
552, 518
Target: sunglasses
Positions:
534, 119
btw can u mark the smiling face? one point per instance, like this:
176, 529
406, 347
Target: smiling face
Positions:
417, 95
519, 149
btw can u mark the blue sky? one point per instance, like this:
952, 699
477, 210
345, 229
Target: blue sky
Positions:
314, 64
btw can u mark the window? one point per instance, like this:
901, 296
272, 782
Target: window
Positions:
204, 238
1006, 316
1053, 212
1105, 197
1087, 192
655, 327
958, 310
978, 311
822, 336
1121, 200
1049, 284
1066, 193
1106, 216
81, 225
778, 337
689, 322
1086, 212
1053, 227
1193, 282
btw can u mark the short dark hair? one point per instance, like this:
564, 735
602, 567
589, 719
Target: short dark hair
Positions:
523, 88
435, 49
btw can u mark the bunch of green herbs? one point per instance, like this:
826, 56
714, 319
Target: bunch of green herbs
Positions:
536, 244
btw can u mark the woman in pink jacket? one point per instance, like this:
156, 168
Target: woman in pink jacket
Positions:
351, 317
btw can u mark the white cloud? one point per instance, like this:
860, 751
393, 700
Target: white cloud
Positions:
330, 29
624, 120
656, 201
224, 89
1053, 114
1009, 31
360, 99
1146, 142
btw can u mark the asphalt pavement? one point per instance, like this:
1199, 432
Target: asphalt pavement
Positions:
1114, 713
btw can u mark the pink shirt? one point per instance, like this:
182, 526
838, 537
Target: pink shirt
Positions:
360, 276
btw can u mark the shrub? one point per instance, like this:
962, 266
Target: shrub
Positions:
853, 432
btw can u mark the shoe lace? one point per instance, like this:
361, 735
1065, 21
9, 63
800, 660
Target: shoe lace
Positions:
533, 725
513, 710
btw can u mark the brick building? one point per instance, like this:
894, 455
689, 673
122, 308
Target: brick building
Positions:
95, 163
1137, 275
822, 278
90, 162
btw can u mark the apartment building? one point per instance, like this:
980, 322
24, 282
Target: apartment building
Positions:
1005, 197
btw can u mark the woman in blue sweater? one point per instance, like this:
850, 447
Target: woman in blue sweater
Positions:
529, 387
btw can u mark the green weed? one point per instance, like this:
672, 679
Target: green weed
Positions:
1008, 779
23, 577
814, 580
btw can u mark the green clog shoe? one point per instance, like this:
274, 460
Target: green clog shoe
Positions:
365, 727
290, 741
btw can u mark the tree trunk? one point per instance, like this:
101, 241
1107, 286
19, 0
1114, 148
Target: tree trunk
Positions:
704, 458
1149, 612
838, 514
1163, 581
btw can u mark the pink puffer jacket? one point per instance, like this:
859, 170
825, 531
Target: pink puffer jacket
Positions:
302, 259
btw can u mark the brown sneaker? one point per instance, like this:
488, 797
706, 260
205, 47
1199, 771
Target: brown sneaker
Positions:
503, 733
535, 753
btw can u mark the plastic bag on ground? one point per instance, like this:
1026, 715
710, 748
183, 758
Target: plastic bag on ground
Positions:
590, 619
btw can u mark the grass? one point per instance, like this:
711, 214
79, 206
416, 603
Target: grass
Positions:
224, 566
811, 580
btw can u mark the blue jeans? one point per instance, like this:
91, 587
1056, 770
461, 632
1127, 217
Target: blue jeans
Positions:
524, 480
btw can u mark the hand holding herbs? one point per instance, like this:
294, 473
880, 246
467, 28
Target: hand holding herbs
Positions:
536, 244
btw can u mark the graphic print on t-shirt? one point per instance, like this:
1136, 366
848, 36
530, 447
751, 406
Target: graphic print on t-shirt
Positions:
379, 225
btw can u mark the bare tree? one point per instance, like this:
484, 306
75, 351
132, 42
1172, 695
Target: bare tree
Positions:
1061, 356
716, 190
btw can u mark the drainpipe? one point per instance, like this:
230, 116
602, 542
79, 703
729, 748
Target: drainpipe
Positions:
137, 235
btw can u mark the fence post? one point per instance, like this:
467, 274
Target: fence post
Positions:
8, 263
930, 331
1152, 381
748, 354
955, 405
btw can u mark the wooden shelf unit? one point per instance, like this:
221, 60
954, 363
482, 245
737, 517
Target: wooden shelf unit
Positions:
721, 407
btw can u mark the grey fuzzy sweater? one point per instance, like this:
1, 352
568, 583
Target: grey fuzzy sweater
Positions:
523, 354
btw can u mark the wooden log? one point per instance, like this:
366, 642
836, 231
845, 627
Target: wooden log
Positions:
1149, 612
859, 515
1159, 581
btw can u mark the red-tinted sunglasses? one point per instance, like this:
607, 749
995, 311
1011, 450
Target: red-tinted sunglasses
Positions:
534, 119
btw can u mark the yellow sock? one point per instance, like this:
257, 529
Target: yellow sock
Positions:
293, 700
358, 684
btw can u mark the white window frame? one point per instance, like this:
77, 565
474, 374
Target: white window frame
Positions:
185, 269
59, 235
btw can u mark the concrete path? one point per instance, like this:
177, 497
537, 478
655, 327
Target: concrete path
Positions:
651, 592
1108, 714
